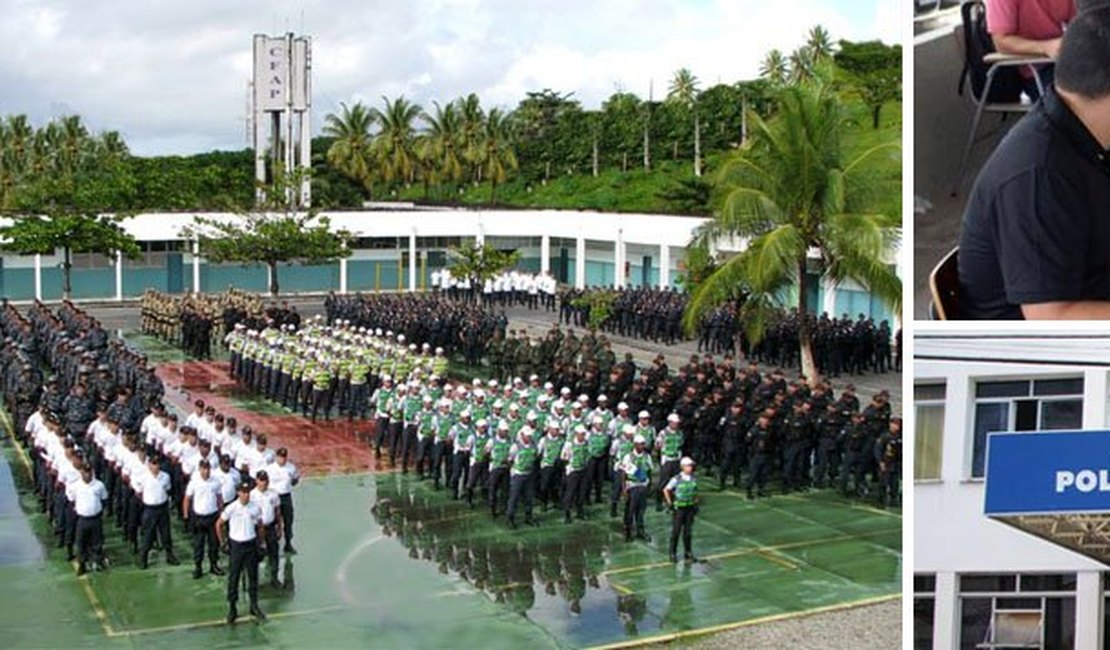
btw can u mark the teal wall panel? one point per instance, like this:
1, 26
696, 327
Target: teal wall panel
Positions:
136, 281
319, 277
361, 275
215, 278
600, 273
19, 284
529, 264
84, 283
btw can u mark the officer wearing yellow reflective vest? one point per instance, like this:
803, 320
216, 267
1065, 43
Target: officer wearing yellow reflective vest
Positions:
681, 493
360, 391
321, 390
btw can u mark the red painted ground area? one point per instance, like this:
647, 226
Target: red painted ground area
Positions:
317, 449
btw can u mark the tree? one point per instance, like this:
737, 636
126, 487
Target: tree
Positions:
538, 119
819, 43
479, 263
394, 146
684, 91
445, 141
874, 73
275, 233
350, 151
496, 155
472, 119
63, 186
774, 69
793, 190
802, 64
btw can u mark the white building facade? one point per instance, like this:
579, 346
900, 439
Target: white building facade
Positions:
979, 583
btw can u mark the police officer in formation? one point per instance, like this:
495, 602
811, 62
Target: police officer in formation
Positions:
506, 289
194, 321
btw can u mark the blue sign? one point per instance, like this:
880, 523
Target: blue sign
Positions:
1048, 472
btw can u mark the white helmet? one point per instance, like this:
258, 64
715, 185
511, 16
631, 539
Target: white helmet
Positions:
639, 440
644, 414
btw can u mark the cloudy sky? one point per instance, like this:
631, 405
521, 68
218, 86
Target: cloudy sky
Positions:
171, 75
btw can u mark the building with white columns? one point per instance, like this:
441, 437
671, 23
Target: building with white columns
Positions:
987, 581
398, 249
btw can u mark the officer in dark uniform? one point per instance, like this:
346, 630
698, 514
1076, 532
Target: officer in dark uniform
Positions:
759, 444
733, 444
888, 456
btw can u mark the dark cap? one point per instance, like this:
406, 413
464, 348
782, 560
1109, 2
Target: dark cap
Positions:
244, 487
282, 451
262, 476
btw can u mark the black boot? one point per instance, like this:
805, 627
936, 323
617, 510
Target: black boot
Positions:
257, 613
197, 572
215, 569
171, 559
232, 613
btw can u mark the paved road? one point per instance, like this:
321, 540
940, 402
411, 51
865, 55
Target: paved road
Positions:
126, 317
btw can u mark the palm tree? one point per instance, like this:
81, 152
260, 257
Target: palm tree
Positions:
497, 156
684, 91
472, 121
802, 64
394, 145
792, 190
444, 141
350, 152
819, 43
774, 68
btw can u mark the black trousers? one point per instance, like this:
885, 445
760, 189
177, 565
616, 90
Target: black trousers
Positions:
380, 434
156, 519
287, 516
596, 469
666, 473
757, 473
460, 467
204, 534
90, 539
573, 489
522, 487
396, 430
682, 523
441, 454
408, 447
730, 466
243, 557
270, 536
498, 482
634, 508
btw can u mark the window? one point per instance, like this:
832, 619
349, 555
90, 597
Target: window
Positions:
1023, 405
924, 604
928, 430
1007, 610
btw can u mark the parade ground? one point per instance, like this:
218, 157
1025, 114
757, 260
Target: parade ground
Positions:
385, 561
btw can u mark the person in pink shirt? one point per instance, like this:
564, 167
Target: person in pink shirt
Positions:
1031, 28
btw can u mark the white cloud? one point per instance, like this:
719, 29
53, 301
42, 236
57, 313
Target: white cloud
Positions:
172, 75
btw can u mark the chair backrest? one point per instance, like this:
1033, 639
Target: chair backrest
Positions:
944, 285
977, 44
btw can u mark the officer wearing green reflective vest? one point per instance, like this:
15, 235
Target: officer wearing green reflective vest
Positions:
598, 468
669, 443
410, 410
637, 467
479, 460
681, 493
441, 451
425, 435
551, 471
621, 447
381, 399
498, 450
522, 483
576, 454
321, 390
396, 422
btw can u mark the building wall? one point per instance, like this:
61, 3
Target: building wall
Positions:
953, 537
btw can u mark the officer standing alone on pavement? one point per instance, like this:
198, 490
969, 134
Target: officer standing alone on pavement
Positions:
243, 522
681, 493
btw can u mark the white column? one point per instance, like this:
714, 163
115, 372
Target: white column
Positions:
620, 253
946, 626
545, 254
119, 276
828, 304
412, 261
1088, 609
38, 276
580, 263
1094, 409
343, 275
196, 266
306, 155
481, 238
664, 266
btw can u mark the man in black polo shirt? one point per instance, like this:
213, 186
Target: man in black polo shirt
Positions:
1036, 233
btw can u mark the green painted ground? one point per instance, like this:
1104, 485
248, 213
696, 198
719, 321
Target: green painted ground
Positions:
383, 558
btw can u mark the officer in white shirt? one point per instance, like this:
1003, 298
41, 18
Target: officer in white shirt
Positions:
240, 528
155, 495
283, 476
228, 477
269, 504
89, 495
202, 502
